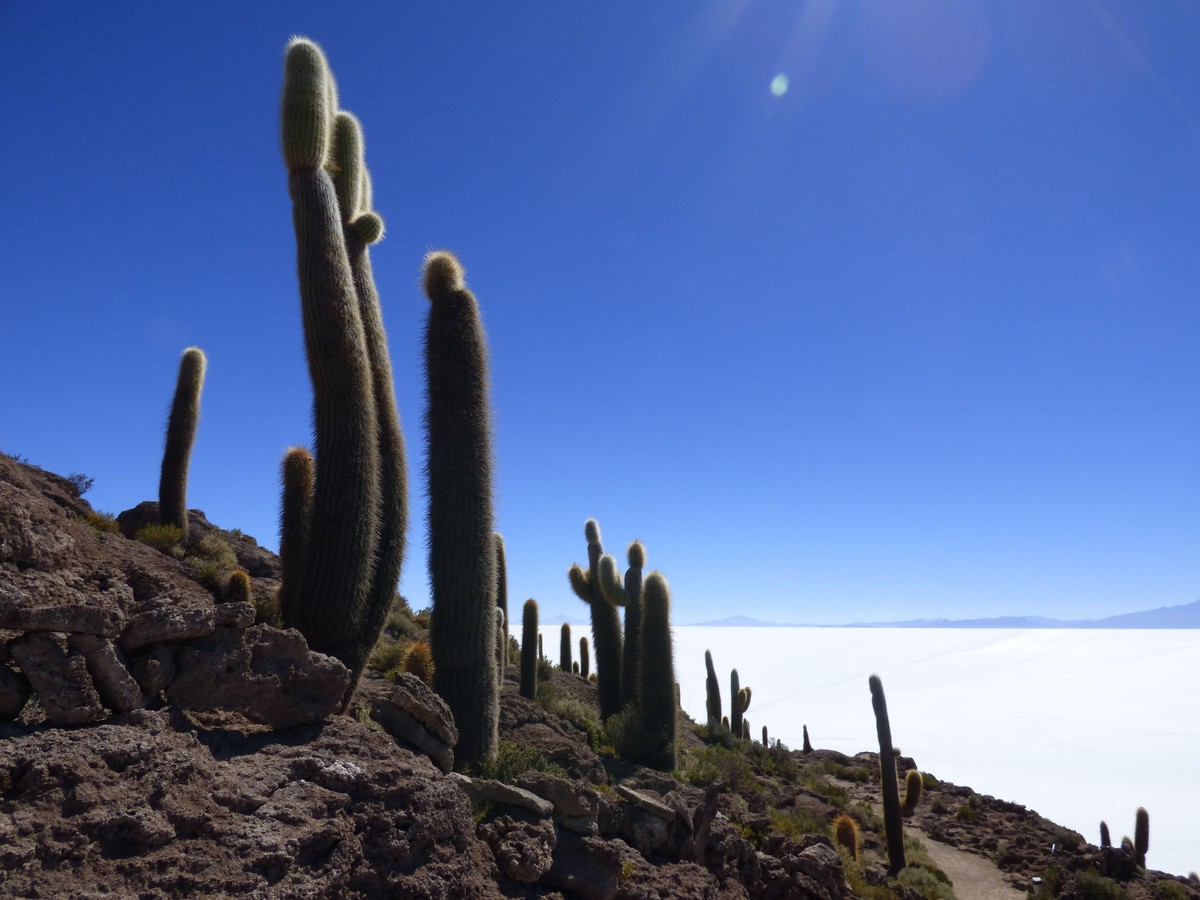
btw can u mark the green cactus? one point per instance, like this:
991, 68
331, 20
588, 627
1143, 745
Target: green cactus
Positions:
502, 593
564, 648
351, 180
181, 432
606, 624
529, 649
501, 647
1105, 839
739, 703
745, 729
628, 595
295, 517
893, 828
337, 567
913, 786
845, 834
656, 686
1141, 836
765, 743
808, 748
713, 691
462, 550
584, 661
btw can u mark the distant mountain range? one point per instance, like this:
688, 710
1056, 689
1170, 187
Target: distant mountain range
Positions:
1186, 616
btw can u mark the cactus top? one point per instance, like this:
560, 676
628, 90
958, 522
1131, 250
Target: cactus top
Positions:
591, 531
637, 555
309, 102
443, 275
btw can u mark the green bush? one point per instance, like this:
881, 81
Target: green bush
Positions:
580, 715
99, 521
163, 538
210, 561
400, 622
926, 883
513, 759
1091, 885
711, 763
388, 657
80, 483
1170, 890
794, 823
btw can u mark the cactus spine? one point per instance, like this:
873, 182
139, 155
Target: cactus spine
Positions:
1141, 836
502, 596
181, 433
338, 565
606, 624
462, 555
295, 517
564, 648
713, 692
584, 662
529, 649
361, 227
913, 786
656, 687
628, 595
739, 702
893, 828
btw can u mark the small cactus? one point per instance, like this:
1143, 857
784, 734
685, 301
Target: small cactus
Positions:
237, 589
713, 694
913, 785
575, 667
845, 834
419, 661
584, 661
295, 516
1105, 838
181, 432
894, 830
564, 648
765, 743
808, 748
530, 649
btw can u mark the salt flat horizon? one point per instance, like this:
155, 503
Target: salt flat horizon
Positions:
1078, 725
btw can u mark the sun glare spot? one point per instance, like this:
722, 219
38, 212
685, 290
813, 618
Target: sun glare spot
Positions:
779, 85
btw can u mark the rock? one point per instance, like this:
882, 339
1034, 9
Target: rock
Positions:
166, 619
821, 870
522, 844
14, 693
267, 675
117, 688
578, 824
569, 798
54, 601
62, 683
485, 790
234, 615
649, 804
408, 730
586, 867
416, 698
154, 668
32, 533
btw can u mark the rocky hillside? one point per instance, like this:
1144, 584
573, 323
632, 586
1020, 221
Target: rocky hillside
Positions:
160, 738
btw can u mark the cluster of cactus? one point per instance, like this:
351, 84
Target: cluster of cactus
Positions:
739, 702
606, 624
530, 649
893, 829
181, 433
1141, 837
462, 548
344, 520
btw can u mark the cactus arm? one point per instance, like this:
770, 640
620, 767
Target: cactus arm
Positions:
579, 584
610, 584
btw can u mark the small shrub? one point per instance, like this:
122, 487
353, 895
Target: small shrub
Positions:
163, 538
926, 883
578, 714
711, 763
928, 781
967, 813
99, 521
628, 736
797, 822
544, 670
400, 622
1067, 840
210, 561
266, 612
422, 617
866, 817
80, 483
1170, 890
939, 805
1091, 885
513, 759
387, 657
1051, 884
824, 787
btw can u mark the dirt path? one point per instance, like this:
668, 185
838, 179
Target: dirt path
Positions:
973, 876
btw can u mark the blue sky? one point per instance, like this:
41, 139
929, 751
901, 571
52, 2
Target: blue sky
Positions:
914, 334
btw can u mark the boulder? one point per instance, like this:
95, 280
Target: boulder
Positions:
118, 689
267, 675
61, 681
412, 733
165, 618
416, 698
485, 790
569, 798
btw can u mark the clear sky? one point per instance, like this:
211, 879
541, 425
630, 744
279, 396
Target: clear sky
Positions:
847, 310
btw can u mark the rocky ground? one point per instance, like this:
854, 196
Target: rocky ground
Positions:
157, 790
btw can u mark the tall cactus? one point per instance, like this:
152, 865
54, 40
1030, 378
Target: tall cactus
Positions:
892, 826
462, 555
584, 662
338, 565
361, 227
656, 684
628, 595
606, 624
181, 433
564, 648
529, 641
502, 595
713, 694
739, 702
1141, 836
